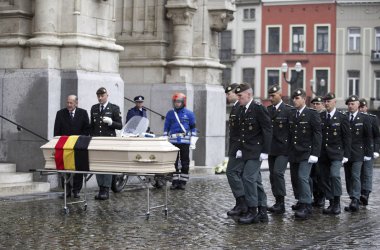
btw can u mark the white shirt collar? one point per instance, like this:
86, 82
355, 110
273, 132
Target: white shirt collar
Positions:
247, 106
278, 105
332, 113
354, 114
104, 105
73, 111
236, 102
301, 110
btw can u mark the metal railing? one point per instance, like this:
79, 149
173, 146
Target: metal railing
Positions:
154, 112
20, 127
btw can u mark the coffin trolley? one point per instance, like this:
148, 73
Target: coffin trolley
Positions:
134, 156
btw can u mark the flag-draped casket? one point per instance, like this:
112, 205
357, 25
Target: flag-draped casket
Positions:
110, 154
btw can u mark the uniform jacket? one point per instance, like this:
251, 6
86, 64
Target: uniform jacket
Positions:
98, 127
375, 132
280, 125
135, 112
305, 136
362, 140
234, 130
255, 132
173, 129
336, 137
64, 125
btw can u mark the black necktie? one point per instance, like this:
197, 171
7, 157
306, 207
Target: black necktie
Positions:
71, 115
101, 108
328, 117
242, 111
298, 114
352, 118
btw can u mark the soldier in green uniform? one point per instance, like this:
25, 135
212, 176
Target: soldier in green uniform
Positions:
105, 119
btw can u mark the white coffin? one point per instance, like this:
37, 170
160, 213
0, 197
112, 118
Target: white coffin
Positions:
125, 155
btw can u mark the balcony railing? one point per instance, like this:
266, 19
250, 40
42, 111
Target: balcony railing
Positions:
227, 55
375, 56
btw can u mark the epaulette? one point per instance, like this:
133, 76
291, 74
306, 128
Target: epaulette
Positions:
257, 103
313, 109
290, 106
342, 112
372, 115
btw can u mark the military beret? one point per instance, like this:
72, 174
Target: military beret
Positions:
299, 92
329, 96
274, 89
352, 98
139, 98
317, 99
231, 87
363, 102
101, 91
242, 87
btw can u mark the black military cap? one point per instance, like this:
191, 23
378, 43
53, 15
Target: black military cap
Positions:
299, 92
317, 99
352, 98
139, 98
101, 91
329, 96
274, 89
363, 102
242, 87
231, 87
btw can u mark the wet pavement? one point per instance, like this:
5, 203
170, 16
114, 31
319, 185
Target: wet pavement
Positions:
197, 220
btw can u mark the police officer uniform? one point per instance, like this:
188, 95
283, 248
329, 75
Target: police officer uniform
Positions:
99, 128
305, 143
367, 170
136, 111
234, 165
253, 144
361, 150
315, 175
278, 155
336, 145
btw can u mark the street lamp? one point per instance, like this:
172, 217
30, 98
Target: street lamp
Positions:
293, 79
322, 83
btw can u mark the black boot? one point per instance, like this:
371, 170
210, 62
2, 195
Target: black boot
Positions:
364, 197
328, 210
251, 216
304, 212
240, 207
336, 207
279, 206
321, 201
103, 194
97, 197
182, 185
353, 207
296, 206
174, 184
263, 215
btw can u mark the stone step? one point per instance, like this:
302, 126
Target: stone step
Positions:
201, 170
15, 177
7, 167
11, 189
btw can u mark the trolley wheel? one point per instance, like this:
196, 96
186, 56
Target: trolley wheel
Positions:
66, 210
119, 182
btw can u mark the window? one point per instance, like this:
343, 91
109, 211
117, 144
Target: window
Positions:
354, 39
298, 39
274, 39
298, 83
353, 82
249, 14
225, 45
377, 38
249, 41
226, 77
249, 76
322, 39
377, 84
273, 77
321, 82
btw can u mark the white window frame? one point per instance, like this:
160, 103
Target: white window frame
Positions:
377, 38
289, 77
249, 13
375, 83
355, 38
291, 38
267, 37
348, 84
316, 26
255, 44
266, 78
315, 77
254, 76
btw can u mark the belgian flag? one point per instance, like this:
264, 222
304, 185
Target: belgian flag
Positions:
71, 153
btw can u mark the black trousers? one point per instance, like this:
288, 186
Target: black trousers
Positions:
183, 156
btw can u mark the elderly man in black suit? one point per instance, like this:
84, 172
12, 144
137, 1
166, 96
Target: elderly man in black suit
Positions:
72, 121
305, 140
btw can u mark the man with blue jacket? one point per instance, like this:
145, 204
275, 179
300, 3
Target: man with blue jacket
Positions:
180, 129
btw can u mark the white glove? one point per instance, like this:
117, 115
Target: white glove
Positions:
107, 120
193, 141
263, 156
344, 160
366, 158
376, 155
239, 154
312, 159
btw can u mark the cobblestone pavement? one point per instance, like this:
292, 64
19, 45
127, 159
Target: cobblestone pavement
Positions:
197, 220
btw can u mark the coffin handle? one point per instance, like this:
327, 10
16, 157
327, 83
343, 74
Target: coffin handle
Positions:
152, 158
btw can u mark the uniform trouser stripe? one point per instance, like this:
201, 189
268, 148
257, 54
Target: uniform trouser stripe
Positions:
330, 178
234, 176
68, 153
366, 175
58, 155
81, 153
253, 187
277, 168
352, 173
